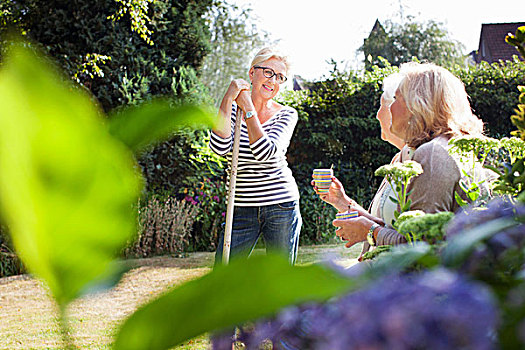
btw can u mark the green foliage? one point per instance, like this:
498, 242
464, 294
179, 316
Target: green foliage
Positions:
209, 198
493, 92
407, 215
517, 40
75, 33
403, 258
511, 174
68, 188
95, 42
372, 254
429, 227
475, 151
462, 245
52, 165
226, 297
504, 157
10, 264
518, 119
399, 43
139, 128
137, 10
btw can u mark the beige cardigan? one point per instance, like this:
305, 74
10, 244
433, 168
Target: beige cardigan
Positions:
433, 191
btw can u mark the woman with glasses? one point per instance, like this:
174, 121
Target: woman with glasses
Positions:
266, 196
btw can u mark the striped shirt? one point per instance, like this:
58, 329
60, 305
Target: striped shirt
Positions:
263, 176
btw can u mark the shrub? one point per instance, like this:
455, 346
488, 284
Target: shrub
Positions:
208, 196
10, 264
80, 36
164, 227
493, 91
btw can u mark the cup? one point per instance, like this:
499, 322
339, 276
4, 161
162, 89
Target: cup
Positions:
347, 215
323, 179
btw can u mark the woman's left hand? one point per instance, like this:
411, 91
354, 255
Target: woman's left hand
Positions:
353, 230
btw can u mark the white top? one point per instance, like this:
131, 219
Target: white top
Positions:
263, 176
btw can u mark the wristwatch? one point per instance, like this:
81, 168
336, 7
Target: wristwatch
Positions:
370, 235
250, 114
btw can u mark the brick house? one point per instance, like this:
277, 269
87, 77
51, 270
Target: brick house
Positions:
492, 46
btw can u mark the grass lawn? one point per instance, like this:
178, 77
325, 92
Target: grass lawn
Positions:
28, 315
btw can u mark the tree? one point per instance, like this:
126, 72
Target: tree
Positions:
399, 43
95, 43
235, 39
125, 52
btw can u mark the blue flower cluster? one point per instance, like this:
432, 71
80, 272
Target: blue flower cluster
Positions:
433, 310
501, 255
474, 216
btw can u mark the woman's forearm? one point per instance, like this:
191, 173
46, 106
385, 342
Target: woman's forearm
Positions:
255, 130
389, 236
224, 128
347, 203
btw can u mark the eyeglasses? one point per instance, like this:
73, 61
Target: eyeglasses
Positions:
268, 73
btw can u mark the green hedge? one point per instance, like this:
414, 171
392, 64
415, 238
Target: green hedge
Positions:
493, 90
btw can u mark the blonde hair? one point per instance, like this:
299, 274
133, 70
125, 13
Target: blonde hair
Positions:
437, 102
267, 53
390, 84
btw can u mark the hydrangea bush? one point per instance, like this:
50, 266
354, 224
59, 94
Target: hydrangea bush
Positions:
439, 309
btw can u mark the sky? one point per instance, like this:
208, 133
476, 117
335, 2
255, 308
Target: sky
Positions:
312, 32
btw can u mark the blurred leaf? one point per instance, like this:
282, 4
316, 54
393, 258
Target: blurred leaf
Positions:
473, 196
460, 246
67, 189
460, 200
401, 257
140, 126
109, 278
228, 296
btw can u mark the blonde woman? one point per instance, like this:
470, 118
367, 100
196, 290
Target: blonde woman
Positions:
266, 196
430, 107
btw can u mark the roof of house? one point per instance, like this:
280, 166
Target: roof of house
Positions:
492, 45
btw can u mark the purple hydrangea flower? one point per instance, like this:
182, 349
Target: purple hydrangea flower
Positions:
499, 257
473, 216
434, 310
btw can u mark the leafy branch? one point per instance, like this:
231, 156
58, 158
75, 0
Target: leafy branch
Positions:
137, 10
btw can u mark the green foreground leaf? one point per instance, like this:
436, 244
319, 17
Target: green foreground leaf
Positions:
139, 126
401, 257
67, 188
228, 296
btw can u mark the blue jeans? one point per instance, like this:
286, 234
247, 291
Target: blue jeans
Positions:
279, 224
